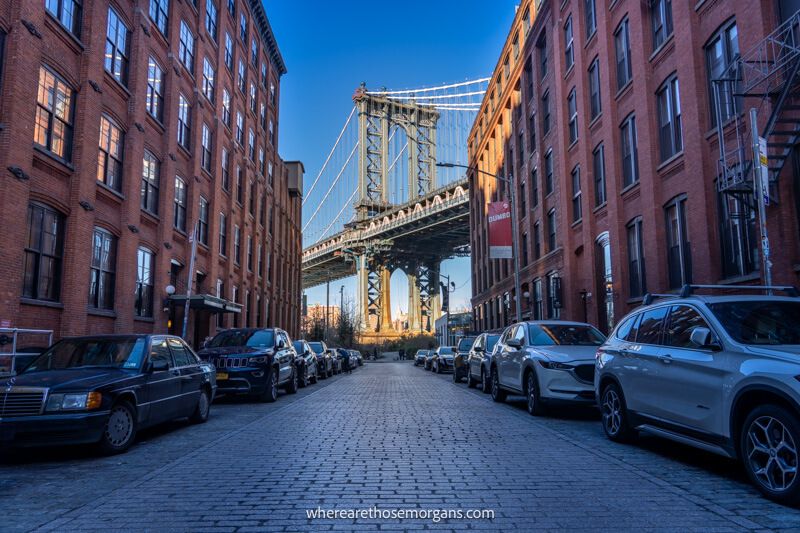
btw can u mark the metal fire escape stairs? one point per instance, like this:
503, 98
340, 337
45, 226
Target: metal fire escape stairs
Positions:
770, 70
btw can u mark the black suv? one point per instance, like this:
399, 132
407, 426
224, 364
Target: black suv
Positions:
324, 358
253, 362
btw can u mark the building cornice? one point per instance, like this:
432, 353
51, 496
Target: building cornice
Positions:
264, 28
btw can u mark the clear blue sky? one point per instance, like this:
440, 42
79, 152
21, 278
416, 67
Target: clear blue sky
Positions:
331, 46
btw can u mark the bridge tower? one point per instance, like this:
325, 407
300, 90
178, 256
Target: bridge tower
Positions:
377, 115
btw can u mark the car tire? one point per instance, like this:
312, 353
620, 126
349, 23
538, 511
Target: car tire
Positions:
498, 394
270, 393
119, 431
769, 438
294, 382
532, 396
615, 414
471, 383
486, 382
304, 382
203, 408
315, 377
456, 376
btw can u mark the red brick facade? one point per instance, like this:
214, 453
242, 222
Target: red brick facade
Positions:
502, 142
33, 174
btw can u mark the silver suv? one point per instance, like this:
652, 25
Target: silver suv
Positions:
718, 372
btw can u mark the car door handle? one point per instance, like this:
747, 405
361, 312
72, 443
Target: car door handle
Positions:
666, 359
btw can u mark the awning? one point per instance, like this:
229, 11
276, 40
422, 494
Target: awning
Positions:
206, 302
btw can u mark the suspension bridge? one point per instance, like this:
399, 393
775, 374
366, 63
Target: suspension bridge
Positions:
380, 203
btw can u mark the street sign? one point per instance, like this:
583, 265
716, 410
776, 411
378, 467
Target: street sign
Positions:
763, 163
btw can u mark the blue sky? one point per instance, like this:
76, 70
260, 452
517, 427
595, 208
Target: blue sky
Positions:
330, 47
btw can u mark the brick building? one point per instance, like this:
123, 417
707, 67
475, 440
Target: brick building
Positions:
123, 127
604, 114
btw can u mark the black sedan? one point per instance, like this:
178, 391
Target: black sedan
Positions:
306, 363
103, 389
324, 358
253, 362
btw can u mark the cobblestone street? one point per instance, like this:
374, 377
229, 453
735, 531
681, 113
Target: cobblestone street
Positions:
392, 436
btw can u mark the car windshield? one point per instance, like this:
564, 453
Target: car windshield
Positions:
422, 353
564, 334
298, 346
760, 321
445, 350
127, 352
491, 340
316, 346
465, 344
254, 338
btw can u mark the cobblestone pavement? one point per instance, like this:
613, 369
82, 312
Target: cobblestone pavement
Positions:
390, 436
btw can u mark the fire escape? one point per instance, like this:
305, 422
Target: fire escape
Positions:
770, 71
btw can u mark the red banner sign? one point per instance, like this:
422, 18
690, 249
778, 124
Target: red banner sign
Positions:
500, 230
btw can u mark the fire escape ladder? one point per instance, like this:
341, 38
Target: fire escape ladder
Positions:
783, 128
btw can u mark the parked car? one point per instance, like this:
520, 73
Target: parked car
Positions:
102, 390
718, 372
547, 362
460, 358
254, 362
480, 360
419, 357
305, 362
442, 360
355, 359
336, 358
324, 358
428, 364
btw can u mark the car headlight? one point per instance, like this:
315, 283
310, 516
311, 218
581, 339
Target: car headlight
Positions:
257, 360
74, 402
552, 365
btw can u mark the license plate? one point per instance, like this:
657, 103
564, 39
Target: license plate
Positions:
222, 375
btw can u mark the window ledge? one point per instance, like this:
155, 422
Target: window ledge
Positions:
596, 120
41, 303
58, 159
600, 207
111, 193
624, 89
73, 40
570, 70
576, 223
116, 85
155, 122
148, 319
753, 276
109, 313
152, 217
668, 44
627, 189
591, 38
673, 161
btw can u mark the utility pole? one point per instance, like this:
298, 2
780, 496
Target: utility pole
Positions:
327, 306
761, 185
193, 242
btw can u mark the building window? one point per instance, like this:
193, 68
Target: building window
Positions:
116, 58
577, 210
669, 119
591, 18
220, 294
679, 259
239, 128
545, 112
254, 53
549, 181
553, 296
537, 240
186, 47
239, 185
594, 88
737, 223
45, 244
569, 50
252, 200
630, 152
721, 51
179, 219
155, 89
262, 212
206, 143
159, 13
251, 145
604, 281
253, 98
211, 19
232, 7
263, 115
237, 244
102, 276
144, 283
272, 97
538, 299
223, 234
622, 43
534, 187
264, 74
202, 222
260, 256
262, 165
523, 200
249, 253
542, 48
661, 17
54, 114
184, 122
269, 172
551, 230
243, 28
599, 168
524, 249
151, 171
226, 169
228, 51
109, 157
572, 110
208, 80
68, 13
226, 107
637, 283
271, 133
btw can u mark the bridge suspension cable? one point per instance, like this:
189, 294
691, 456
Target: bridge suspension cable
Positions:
430, 89
335, 181
325, 164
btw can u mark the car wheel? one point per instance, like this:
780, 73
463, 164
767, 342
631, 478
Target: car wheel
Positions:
203, 408
769, 449
304, 382
498, 394
294, 382
456, 376
438, 368
470, 380
486, 382
534, 400
120, 429
270, 393
315, 377
615, 414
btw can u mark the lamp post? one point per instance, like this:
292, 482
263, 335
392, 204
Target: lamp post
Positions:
449, 287
514, 229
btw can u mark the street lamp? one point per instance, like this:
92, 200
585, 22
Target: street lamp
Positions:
448, 288
514, 229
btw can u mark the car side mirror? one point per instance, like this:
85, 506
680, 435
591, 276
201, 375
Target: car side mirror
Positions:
158, 365
514, 343
703, 338
478, 349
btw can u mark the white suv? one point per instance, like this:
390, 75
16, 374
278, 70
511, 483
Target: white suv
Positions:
721, 373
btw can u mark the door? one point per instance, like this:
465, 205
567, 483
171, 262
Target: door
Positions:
283, 356
476, 356
506, 354
643, 364
691, 378
163, 386
515, 358
191, 376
